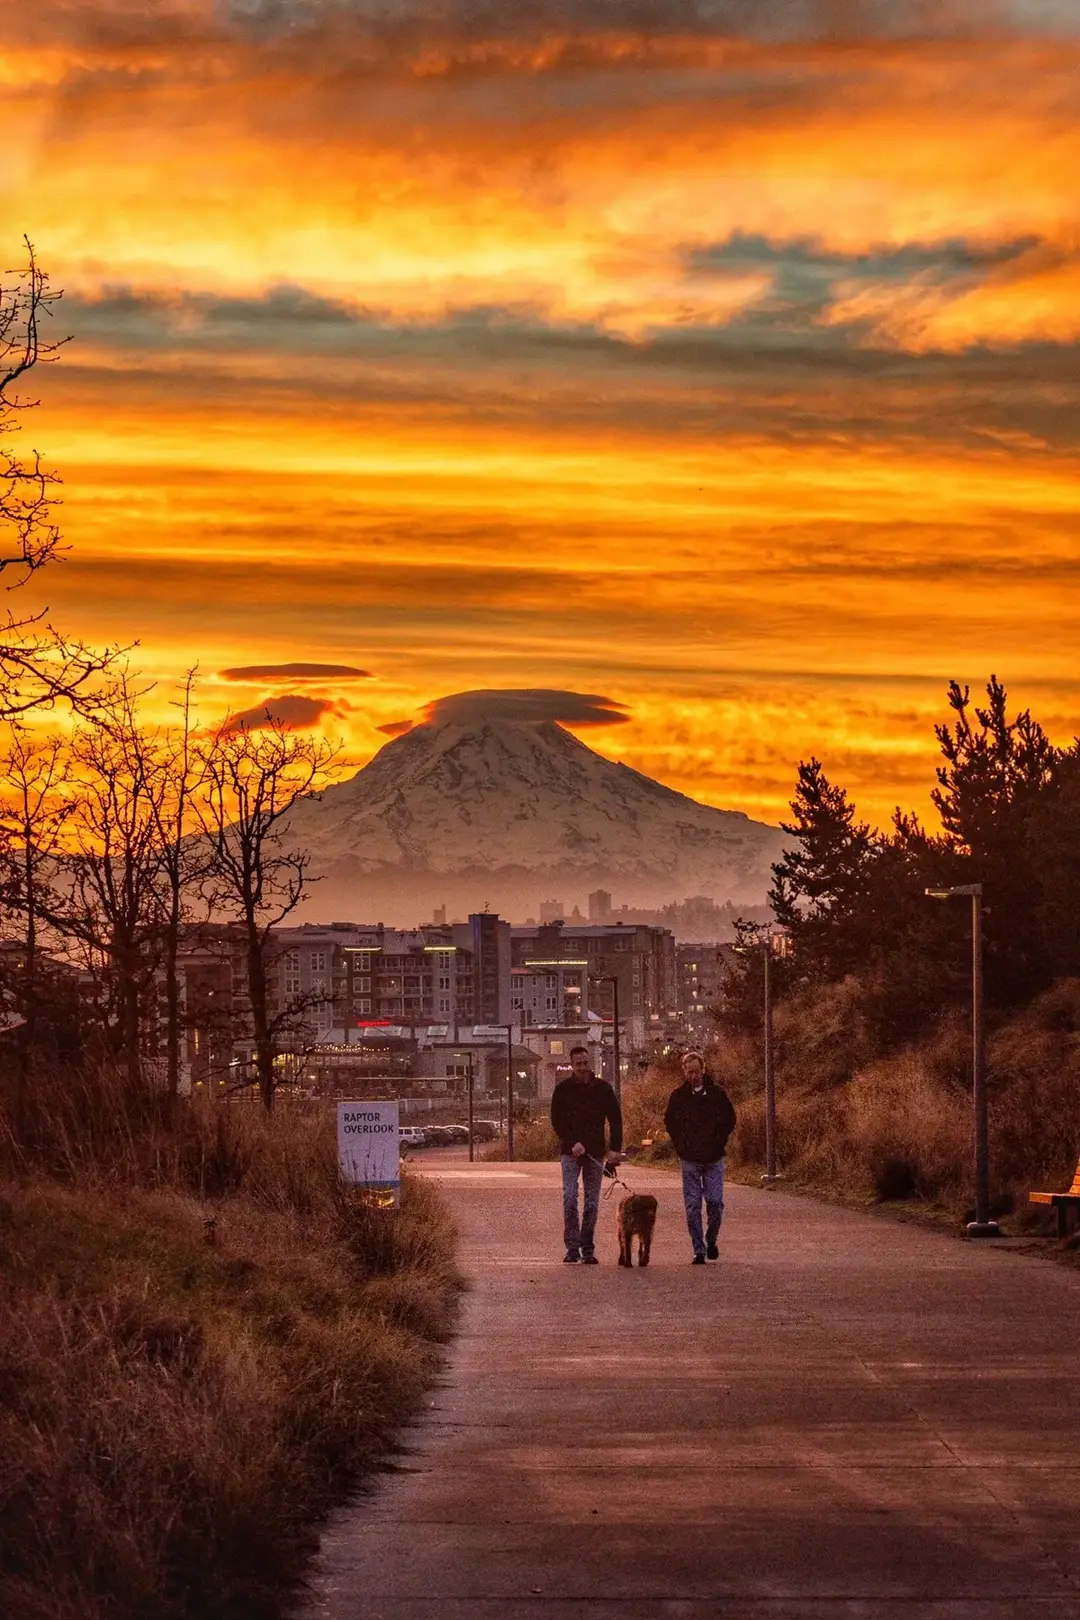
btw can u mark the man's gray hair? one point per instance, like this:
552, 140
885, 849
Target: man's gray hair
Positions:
693, 1052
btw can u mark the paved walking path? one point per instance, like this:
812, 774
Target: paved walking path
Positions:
845, 1418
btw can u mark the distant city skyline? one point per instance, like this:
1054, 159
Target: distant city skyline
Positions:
725, 369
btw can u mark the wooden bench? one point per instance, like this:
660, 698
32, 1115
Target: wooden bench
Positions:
1062, 1202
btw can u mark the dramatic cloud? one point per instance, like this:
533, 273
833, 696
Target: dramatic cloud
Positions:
295, 672
531, 707
720, 354
293, 712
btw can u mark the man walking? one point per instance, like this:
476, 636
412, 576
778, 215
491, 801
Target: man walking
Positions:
581, 1105
699, 1119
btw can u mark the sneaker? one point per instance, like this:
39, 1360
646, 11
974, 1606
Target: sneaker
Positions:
698, 1260
571, 1257
589, 1260
712, 1252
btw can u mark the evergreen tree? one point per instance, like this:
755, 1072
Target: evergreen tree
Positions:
996, 771
821, 886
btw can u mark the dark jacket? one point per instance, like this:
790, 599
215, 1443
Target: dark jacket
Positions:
699, 1125
579, 1109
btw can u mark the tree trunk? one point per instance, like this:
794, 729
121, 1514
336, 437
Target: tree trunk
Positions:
172, 1010
260, 1018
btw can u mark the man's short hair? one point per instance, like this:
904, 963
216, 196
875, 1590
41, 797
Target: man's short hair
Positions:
574, 1050
694, 1053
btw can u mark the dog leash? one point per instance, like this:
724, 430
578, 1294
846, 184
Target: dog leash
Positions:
611, 1175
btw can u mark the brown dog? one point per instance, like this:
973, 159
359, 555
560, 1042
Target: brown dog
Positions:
637, 1217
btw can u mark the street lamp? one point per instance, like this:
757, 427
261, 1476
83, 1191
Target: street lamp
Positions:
765, 945
982, 1226
612, 979
468, 1058
509, 1028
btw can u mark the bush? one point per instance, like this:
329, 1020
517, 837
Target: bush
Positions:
534, 1141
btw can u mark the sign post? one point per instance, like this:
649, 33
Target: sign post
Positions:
369, 1150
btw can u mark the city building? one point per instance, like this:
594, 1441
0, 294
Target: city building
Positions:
580, 965
551, 1045
701, 971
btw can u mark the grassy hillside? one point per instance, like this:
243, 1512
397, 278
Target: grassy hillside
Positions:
899, 1128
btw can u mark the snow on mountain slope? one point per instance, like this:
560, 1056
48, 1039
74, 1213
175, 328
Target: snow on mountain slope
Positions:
509, 813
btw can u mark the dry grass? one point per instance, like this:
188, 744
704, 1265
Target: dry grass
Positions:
535, 1141
901, 1129
176, 1414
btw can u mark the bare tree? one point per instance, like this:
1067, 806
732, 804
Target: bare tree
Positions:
174, 766
34, 809
117, 908
251, 780
38, 667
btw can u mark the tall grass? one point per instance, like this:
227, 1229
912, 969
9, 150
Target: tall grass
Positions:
535, 1141
204, 1337
901, 1128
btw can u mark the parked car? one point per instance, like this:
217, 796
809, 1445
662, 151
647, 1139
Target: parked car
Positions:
411, 1136
485, 1130
439, 1135
458, 1133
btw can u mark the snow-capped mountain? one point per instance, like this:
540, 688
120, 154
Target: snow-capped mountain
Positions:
507, 814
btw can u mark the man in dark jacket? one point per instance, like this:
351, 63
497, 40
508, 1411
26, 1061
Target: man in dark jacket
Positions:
699, 1119
581, 1105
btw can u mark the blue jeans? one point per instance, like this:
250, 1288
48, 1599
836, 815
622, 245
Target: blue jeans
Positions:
579, 1234
703, 1181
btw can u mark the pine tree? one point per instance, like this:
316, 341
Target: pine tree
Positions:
821, 886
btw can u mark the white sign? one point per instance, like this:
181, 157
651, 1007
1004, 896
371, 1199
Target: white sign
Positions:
369, 1152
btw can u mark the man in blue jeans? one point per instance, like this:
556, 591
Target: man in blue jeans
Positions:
581, 1106
699, 1119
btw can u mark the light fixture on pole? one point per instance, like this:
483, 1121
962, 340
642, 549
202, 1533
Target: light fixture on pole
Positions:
982, 1226
469, 1082
765, 945
509, 1028
612, 979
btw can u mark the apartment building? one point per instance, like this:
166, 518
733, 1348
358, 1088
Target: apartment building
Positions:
701, 972
579, 965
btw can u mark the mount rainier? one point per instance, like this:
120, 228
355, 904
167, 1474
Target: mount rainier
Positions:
506, 814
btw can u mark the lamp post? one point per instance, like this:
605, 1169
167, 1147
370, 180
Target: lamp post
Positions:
765, 945
469, 1081
509, 1028
612, 979
982, 1226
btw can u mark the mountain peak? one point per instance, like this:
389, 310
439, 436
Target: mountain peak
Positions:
470, 807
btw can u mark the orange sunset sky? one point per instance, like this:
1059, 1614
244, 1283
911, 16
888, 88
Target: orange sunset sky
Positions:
719, 357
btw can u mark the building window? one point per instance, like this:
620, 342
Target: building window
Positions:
444, 1003
364, 984
318, 961
516, 1003
318, 987
291, 961
292, 987
364, 1006
551, 1003
444, 981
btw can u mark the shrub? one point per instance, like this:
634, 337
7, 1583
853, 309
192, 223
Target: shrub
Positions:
534, 1141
